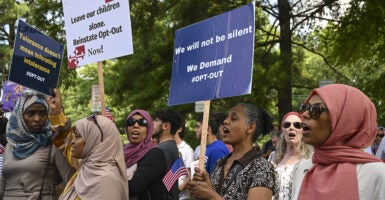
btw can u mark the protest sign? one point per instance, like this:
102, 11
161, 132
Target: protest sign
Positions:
214, 58
96, 103
11, 93
36, 59
96, 30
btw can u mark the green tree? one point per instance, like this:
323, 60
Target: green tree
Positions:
354, 47
9, 13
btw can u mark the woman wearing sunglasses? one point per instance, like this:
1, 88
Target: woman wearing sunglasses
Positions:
31, 162
290, 150
96, 141
146, 164
339, 120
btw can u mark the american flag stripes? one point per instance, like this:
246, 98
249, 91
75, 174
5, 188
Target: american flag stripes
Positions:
109, 115
177, 170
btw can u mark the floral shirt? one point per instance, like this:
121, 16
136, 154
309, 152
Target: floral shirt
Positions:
248, 172
284, 180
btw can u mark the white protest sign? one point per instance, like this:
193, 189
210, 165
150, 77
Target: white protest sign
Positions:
96, 103
96, 30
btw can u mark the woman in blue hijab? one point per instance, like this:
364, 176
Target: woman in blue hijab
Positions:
30, 168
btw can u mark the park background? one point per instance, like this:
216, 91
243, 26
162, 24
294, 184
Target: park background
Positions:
299, 45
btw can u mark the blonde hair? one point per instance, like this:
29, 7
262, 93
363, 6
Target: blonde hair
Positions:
306, 150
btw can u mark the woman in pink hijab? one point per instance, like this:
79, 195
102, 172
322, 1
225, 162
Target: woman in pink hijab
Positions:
339, 121
146, 164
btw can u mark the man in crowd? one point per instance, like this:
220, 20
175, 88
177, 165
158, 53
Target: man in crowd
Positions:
187, 155
373, 148
166, 124
215, 149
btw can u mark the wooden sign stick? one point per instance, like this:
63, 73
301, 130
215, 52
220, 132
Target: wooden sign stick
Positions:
205, 121
101, 87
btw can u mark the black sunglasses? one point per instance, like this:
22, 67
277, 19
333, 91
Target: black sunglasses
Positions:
297, 125
141, 122
380, 135
93, 118
315, 110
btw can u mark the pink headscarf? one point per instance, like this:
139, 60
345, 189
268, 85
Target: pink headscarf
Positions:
353, 120
291, 113
134, 152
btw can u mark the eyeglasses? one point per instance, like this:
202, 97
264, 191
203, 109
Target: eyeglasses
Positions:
315, 110
380, 135
141, 122
297, 125
93, 118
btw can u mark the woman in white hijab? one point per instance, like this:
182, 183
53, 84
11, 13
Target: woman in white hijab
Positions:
96, 141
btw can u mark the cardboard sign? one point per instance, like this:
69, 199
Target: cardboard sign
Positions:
214, 58
96, 30
36, 59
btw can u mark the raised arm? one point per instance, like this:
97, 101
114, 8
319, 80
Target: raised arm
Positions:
55, 103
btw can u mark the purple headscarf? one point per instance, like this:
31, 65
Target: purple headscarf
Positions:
134, 152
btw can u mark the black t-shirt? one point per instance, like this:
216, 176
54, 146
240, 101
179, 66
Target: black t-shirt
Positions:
146, 183
171, 152
3, 127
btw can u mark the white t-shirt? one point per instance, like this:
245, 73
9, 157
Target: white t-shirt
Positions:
370, 176
381, 150
197, 152
187, 155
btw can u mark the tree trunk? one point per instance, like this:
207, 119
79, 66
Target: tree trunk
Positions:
284, 90
11, 38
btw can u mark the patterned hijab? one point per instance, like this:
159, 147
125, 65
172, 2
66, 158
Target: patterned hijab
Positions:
134, 152
102, 174
353, 120
23, 141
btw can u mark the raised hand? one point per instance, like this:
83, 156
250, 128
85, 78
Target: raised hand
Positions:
55, 103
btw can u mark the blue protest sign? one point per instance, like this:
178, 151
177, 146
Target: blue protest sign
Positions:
11, 93
214, 58
36, 59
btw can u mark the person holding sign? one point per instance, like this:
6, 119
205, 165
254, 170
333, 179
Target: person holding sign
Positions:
243, 174
96, 141
32, 165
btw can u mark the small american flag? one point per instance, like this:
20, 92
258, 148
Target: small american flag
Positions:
109, 114
177, 170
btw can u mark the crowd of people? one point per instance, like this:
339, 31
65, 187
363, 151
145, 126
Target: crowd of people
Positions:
331, 148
